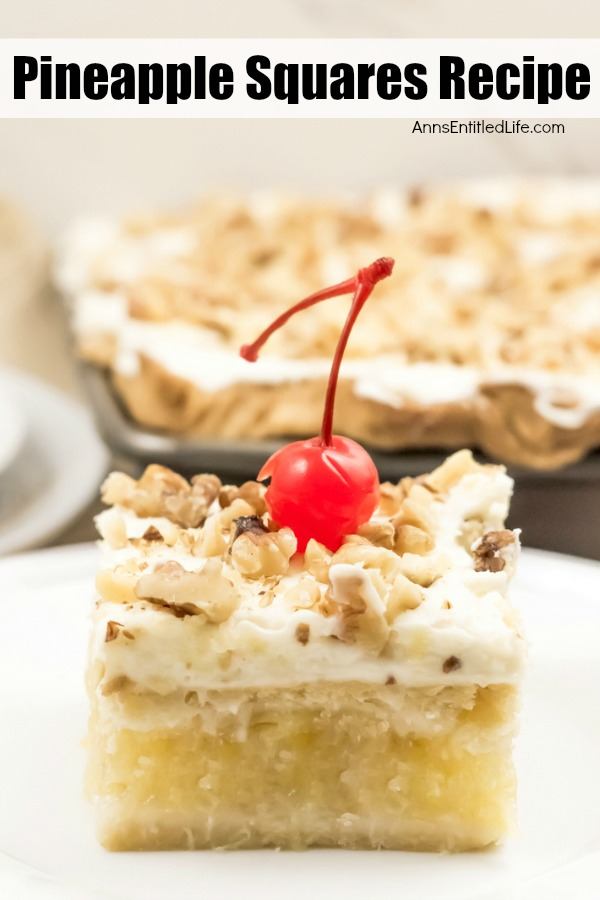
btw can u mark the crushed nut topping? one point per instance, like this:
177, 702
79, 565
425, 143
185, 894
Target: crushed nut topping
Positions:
251, 492
451, 471
361, 610
248, 523
317, 560
260, 554
304, 595
112, 631
411, 539
381, 534
162, 492
488, 552
302, 632
451, 664
208, 591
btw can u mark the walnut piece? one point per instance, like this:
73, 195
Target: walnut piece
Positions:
381, 534
248, 524
412, 539
303, 632
213, 539
417, 509
451, 664
112, 631
251, 492
304, 595
111, 526
488, 551
206, 592
260, 554
317, 560
118, 585
162, 492
403, 595
452, 470
361, 610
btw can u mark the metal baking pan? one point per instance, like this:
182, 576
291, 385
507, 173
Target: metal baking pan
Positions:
557, 510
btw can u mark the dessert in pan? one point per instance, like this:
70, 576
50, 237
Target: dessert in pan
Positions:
309, 659
487, 336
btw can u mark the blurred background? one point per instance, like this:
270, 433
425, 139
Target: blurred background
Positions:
54, 171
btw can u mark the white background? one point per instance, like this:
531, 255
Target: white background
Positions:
59, 168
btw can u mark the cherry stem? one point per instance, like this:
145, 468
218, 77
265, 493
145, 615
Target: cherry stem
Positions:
362, 285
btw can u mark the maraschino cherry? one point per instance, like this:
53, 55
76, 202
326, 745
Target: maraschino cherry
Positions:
324, 487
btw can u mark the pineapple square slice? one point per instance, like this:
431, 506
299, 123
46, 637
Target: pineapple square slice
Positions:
243, 695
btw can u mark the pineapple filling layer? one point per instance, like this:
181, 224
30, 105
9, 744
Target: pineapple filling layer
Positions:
296, 778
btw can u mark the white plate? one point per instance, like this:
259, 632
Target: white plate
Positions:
47, 846
59, 469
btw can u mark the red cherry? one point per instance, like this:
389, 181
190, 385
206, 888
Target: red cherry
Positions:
321, 491
327, 486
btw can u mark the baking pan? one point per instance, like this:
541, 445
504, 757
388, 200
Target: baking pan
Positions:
557, 510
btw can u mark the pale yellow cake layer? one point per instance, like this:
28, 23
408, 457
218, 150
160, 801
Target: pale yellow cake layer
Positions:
304, 772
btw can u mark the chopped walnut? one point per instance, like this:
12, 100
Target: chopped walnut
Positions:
206, 486
411, 539
381, 534
417, 509
111, 526
404, 594
488, 551
161, 492
258, 554
452, 470
424, 570
304, 595
302, 632
317, 560
361, 610
213, 538
390, 498
208, 591
251, 491
451, 664
112, 631
190, 508
118, 585
211, 541
248, 523
386, 561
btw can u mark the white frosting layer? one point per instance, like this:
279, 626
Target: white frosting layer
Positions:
464, 614
99, 251
199, 356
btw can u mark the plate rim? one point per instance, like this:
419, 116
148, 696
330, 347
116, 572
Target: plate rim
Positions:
33, 883
14, 381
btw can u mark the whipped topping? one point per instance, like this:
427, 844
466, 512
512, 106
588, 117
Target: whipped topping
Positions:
199, 356
100, 253
464, 615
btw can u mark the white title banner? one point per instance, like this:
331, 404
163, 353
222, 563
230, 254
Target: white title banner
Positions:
299, 78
